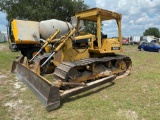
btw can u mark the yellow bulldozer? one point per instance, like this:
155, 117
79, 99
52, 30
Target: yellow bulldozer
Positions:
77, 60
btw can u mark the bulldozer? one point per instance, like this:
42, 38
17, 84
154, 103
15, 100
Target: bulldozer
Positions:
78, 60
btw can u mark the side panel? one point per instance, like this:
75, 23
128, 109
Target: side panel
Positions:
73, 54
25, 32
68, 53
110, 46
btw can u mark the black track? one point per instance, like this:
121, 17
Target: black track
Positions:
62, 70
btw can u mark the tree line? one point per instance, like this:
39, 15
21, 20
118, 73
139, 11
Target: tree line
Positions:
39, 10
153, 31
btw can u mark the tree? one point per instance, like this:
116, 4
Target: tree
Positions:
91, 27
152, 31
38, 10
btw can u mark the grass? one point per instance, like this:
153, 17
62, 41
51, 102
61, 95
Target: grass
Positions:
135, 97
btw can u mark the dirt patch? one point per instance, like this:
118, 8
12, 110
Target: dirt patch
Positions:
23, 89
2, 47
17, 85
19, 109
129, 114
3, 76
13, 104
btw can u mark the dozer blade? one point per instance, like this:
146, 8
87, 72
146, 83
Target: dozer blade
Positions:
48, 94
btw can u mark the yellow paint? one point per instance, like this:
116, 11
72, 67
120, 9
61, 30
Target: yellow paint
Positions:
71, 54
99, 31
98, 15
15, 31
91, 14
98, 46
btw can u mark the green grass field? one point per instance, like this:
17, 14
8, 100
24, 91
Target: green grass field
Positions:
136, 97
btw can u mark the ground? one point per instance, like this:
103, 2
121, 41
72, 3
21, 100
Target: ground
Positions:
136, 97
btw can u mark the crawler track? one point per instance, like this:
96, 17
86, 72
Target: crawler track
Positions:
63, 70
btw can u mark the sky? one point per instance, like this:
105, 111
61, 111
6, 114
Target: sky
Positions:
137, 15
3, 22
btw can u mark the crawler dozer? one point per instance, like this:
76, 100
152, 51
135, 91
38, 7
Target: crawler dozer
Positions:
77, 60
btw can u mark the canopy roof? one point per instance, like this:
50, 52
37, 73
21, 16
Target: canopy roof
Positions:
91, 14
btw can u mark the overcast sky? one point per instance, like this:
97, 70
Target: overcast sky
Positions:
137, 15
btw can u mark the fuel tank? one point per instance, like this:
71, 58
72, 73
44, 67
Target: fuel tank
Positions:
48, 27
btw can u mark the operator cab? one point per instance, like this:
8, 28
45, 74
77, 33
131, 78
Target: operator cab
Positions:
98, 42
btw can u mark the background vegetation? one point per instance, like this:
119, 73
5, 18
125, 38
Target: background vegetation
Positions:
44, 10
39, 10
152, 31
